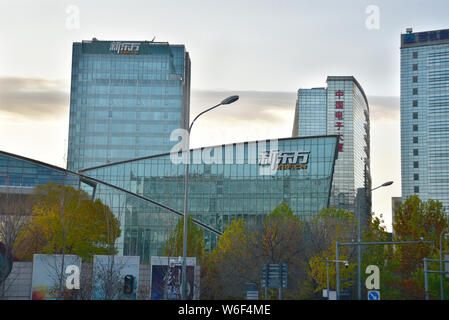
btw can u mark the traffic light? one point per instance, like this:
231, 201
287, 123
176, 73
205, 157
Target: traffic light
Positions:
129, 284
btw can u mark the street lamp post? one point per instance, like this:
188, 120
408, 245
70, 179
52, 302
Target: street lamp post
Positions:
444, 232
359, 254
338, 245
228, 100
327, 271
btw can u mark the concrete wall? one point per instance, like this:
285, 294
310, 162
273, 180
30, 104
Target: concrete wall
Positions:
18, 283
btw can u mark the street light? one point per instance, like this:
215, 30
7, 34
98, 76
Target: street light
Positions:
228, 100
327, 271
359, 254
444, 232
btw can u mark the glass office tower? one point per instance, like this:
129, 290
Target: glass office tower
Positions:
340, 109
126, 98
425, 115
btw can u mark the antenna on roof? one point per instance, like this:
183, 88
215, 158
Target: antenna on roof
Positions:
153, 39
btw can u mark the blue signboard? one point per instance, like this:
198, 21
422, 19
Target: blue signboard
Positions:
373, 295
422, 37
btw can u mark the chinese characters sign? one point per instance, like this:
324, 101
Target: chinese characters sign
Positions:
125, 47
339, 117
283, 160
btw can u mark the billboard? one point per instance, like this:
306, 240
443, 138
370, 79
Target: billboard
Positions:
50, 275
166, 278
115, 277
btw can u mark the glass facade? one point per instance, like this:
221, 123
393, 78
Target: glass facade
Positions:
310, 112
340, 109
126, 98
231, 186
21, 173
425, 115
147, 194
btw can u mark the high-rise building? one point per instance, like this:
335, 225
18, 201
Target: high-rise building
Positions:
425, 115
341, 109
126, 98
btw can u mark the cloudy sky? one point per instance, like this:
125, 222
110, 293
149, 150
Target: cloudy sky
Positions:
262, 50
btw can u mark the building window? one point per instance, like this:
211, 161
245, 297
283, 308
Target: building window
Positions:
415, 164
415, 127
416, 176
415, 91
415, 79
415, 67
415, 55
416, 189
415, 115
415, 103
415, 152
415, 139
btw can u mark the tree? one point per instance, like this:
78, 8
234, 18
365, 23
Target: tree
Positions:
14, 213
66, 221
195, 240
416, 219
330, 226
243, 249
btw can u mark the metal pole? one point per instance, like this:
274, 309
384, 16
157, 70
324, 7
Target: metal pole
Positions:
441, 265
337, 283
280, 276
426, 285
266, 281
359, 258
327, 270
184, 249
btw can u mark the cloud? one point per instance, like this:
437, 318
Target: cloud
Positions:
44, 99
252, 106
34, 99
384, 109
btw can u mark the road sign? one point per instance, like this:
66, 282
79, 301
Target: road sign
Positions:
373, 295
252, 295
332, 295
274, 275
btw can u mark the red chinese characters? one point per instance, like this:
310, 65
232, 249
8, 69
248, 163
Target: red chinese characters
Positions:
339, 117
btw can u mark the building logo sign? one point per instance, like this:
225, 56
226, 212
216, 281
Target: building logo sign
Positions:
125, 47
426, 36
284, 160
339, 117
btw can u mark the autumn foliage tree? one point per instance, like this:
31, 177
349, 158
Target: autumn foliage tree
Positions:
414, 220
243, 249
330, 226
65, 220
195, 240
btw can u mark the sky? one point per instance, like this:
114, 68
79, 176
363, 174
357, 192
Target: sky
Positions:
262, 50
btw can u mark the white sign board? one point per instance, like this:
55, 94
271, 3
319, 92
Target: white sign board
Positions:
332, 295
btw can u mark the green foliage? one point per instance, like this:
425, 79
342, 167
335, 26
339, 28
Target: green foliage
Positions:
330, 226
66, 221
195, 240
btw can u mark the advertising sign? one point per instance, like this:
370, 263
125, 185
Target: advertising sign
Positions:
166, 278
51, 276
115, 277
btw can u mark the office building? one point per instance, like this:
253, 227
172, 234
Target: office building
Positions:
425, 115
342, 109
126, 98
245, 180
